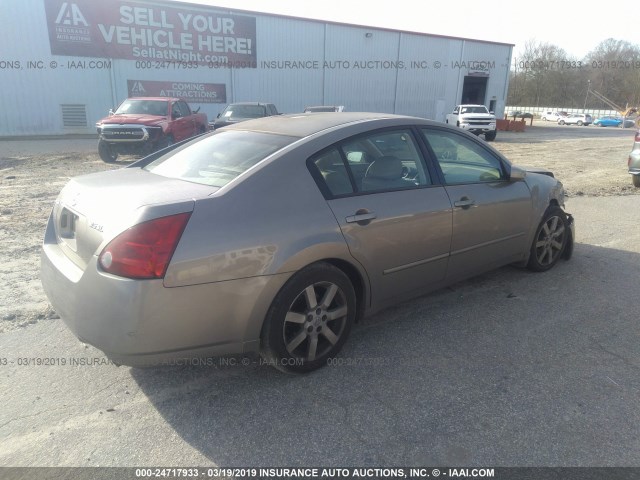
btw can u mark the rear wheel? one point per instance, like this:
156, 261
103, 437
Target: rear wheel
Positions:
107, 152
580, 123
636, 180
550, 240
560, 122
309, 320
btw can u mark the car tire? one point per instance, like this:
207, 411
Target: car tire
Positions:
544, 119
580, 123
560, 122
106, 152
490, 137
549, 241
636, 180
309, 319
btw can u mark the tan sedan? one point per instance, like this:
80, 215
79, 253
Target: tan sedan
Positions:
275, 235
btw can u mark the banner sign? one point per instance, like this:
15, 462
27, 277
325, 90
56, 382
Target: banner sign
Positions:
150, 31
190, 92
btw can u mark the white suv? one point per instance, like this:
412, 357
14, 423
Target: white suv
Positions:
576, 119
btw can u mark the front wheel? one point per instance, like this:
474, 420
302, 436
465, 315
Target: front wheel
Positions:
561, 122
580, 123
490, 136
636, 180
309, 320
550, 240
107, 153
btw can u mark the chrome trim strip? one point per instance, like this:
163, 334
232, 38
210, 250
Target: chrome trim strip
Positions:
414, 264
480, 245
445, 255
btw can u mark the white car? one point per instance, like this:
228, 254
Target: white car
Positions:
552, 116
576, 119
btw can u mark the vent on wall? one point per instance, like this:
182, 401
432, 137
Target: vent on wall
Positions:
74, 115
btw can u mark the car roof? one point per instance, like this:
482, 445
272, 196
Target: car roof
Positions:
305, 124
250, 103
164, 99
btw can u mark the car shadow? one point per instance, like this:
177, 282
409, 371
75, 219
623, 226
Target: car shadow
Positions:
509, 368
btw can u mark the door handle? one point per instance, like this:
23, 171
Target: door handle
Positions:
464, 202
362, 217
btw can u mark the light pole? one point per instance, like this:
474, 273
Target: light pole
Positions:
586, 96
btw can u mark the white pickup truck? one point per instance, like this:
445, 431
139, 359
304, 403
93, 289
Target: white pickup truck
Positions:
474, 118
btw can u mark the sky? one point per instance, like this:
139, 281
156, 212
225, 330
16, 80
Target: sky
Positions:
577, 27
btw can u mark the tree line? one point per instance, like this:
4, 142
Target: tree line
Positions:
545, 75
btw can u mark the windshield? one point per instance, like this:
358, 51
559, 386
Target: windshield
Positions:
217, 159
244, 111
480, 109
143, 107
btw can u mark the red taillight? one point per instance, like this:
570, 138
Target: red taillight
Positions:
144, 251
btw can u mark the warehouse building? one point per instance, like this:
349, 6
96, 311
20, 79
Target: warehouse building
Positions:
65, 63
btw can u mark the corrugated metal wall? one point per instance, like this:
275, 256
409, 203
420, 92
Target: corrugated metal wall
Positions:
364, 69
291, 89
32, 95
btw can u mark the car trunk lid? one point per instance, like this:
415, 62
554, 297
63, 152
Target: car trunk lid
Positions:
93, 209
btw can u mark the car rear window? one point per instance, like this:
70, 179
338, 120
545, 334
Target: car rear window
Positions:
219, 158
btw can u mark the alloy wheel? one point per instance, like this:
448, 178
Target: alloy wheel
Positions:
315, 321
550, 241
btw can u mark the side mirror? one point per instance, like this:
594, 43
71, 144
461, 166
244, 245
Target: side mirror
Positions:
218, 116
517, 174
492, 112
111, 112
175, 115
196, 110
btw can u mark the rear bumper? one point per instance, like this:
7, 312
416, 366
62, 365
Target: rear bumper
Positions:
634, 163
143, 323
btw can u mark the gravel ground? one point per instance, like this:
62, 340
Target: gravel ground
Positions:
589, 161
29, 184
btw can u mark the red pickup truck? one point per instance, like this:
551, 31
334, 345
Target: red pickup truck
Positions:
143, 125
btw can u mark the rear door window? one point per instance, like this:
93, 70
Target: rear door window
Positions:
380, 161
